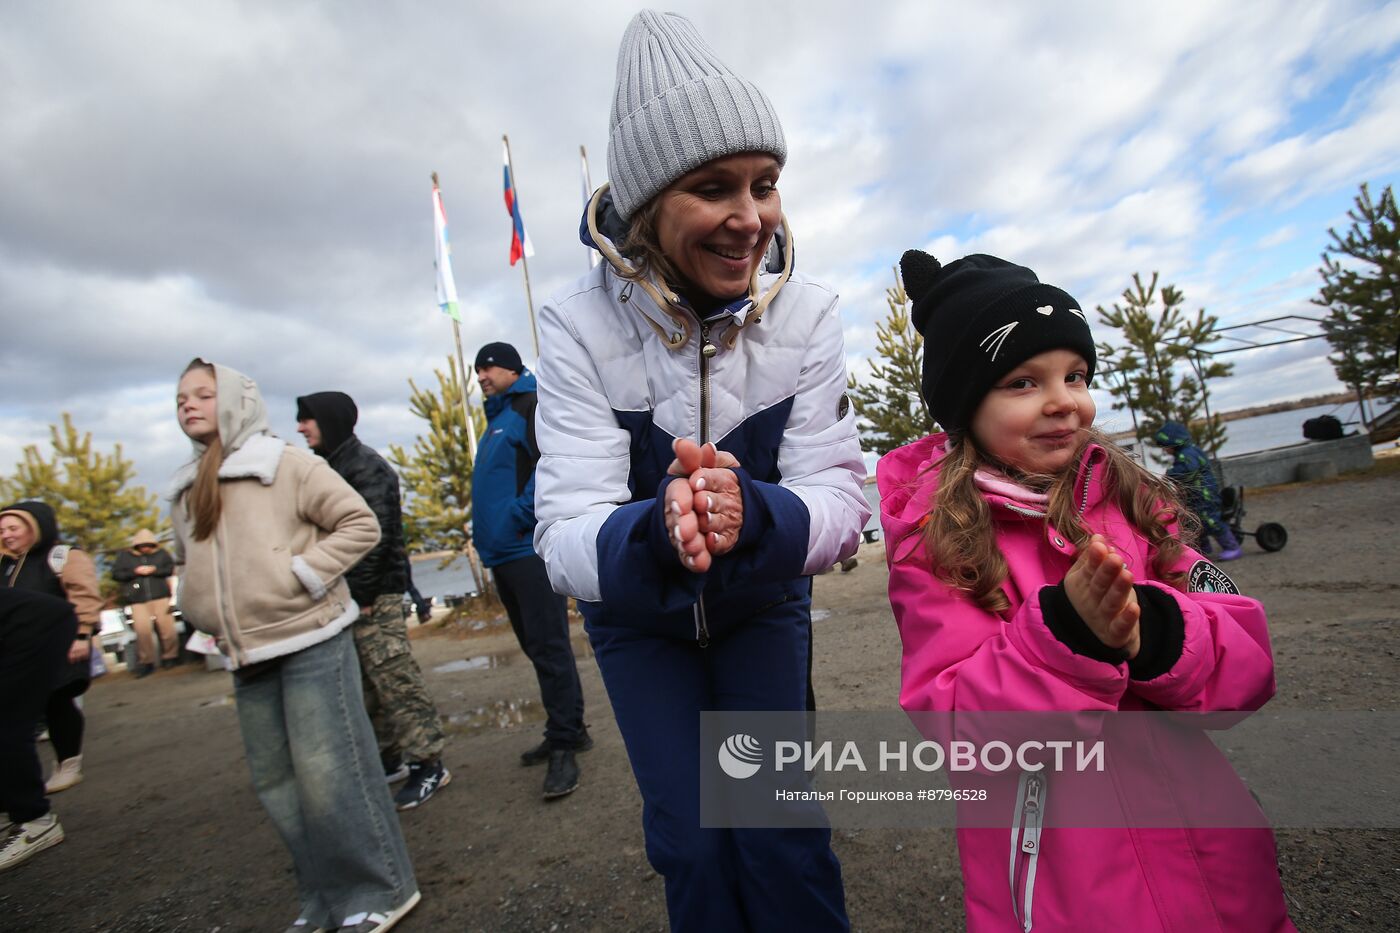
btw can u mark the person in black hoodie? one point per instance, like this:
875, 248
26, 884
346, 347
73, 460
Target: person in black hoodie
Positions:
36, 630
405, 718
32, 559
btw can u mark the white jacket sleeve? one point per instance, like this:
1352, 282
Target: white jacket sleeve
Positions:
584, 459
820, 459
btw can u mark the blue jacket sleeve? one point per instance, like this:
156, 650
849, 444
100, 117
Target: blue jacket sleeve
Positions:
638, 570
522, 507
772, 545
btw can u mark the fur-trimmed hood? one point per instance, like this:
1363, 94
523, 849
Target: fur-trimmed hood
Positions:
257, 458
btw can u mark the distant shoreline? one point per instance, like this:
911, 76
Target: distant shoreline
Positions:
1331, 398
1270, 408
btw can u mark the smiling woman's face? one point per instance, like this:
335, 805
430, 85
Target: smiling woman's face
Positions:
715, 222
15, 534
197, 406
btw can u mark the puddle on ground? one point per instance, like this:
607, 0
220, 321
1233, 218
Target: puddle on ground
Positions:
485, 662
481, 662
502, 714
820, 614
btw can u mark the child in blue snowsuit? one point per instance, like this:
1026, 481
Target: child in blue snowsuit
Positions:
1190, 469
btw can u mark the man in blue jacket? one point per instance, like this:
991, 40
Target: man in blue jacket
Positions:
503, 528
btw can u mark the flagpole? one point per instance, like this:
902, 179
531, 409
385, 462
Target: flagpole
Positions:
462, 371
447, 296
524, 260
587, 196
466, 391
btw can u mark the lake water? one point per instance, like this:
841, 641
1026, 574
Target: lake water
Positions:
1282, 428
433, 580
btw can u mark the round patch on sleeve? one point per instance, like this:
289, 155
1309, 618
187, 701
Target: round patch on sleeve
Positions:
843, 406
1205, 577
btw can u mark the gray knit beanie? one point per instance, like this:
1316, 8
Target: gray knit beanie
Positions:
676, 107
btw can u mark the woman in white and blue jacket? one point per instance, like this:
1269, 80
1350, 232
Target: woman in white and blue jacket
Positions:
692, 569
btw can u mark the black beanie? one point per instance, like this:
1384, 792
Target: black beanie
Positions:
980, 318
499, 354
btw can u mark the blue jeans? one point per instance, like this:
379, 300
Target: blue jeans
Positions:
316, 770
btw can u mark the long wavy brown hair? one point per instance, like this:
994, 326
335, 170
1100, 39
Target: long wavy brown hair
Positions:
959, 535
202, 499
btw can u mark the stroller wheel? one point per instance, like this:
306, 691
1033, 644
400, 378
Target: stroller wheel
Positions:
1271, 536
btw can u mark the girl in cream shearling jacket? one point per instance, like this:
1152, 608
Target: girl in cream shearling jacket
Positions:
265, 533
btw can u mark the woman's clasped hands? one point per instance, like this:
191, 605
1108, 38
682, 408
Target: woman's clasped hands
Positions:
704, 506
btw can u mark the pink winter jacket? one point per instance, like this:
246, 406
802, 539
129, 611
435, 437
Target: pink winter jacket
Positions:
958, 657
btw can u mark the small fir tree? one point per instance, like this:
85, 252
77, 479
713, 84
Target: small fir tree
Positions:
90, 492
437, 474
1361, 290
1153, 373
891, 406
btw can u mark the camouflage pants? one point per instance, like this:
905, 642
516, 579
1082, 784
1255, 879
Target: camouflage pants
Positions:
405, 718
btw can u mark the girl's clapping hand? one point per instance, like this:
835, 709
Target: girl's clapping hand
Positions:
1100, 588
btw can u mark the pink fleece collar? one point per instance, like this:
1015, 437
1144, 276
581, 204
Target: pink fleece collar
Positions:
999, 485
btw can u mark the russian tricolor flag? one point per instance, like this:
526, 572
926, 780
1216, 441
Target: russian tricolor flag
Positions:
520, 244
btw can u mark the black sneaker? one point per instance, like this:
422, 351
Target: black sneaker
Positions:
145, 670
540, 753
395, 769
562, 777
425, 778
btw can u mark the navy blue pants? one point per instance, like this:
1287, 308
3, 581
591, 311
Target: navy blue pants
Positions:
540, 619
717, 879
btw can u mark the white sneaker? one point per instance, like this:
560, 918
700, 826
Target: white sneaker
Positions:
68, 773
379, 923
302, 925
33, 837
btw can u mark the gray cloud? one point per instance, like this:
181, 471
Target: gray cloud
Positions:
250, 180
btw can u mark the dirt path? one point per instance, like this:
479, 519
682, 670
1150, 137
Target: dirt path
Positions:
165, 833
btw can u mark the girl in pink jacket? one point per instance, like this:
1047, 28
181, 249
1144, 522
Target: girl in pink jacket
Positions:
1034, 567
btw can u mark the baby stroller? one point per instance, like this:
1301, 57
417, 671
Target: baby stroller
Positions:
1271, 535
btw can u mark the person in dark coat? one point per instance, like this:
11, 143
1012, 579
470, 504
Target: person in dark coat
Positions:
422, 606
405, 718
31, 558
144, 572
36, 630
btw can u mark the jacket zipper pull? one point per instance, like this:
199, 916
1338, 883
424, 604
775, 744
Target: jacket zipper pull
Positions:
1030, 842
702, 630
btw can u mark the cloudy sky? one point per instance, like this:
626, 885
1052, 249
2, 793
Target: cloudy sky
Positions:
250, 181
